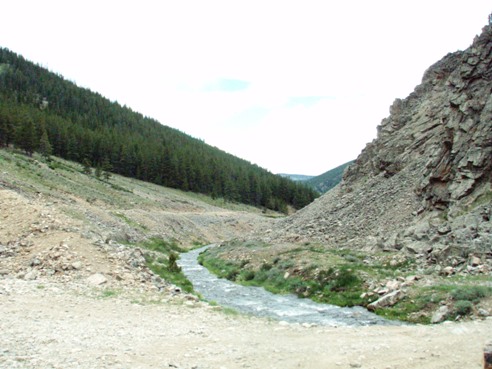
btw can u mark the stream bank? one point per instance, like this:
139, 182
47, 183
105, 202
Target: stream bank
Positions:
259, 302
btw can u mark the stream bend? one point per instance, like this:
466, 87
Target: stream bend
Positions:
259, 302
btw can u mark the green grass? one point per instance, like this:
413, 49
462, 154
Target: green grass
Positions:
344, 277
471, 293
128, 221
339, 286
408, 310
161, 245
162, 261
462, 297
109, 293
170, 272
463, 308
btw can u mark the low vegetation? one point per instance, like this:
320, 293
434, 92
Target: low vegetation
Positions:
344, 278
161, 257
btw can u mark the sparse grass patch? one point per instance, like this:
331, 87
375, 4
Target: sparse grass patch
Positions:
118, 187
407, 309
163, 246
420, 302
127, 220
169, 271
109, 293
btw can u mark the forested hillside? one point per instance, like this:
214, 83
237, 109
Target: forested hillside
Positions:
41, 111
326, 181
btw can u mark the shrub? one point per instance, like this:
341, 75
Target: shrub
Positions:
463, 307
172, 266
266, 266
345, 279
247, 275
471, 293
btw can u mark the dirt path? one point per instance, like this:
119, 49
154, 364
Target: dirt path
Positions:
49, 325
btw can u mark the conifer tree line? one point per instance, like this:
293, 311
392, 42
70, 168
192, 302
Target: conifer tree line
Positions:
41, 111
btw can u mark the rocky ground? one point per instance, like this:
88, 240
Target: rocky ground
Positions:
74, 294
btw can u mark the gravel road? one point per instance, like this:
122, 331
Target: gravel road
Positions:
49, 325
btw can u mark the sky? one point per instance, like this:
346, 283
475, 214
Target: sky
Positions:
295, 87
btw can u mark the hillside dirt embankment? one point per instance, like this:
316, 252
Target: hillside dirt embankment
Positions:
74, 295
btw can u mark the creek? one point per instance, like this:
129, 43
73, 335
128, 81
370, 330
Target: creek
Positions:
259, 302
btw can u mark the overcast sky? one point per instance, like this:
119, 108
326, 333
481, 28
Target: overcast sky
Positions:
293, 86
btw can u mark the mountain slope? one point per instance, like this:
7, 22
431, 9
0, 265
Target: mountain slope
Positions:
40, 111
326, 181
424, 185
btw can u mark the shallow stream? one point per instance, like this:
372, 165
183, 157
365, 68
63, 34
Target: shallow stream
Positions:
257, 301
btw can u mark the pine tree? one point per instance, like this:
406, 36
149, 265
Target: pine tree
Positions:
44, 145
6, 126
98, 171
87, 167
106, 168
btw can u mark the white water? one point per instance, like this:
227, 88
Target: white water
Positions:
257, 301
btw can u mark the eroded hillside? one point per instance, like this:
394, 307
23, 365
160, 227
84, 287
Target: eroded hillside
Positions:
424, 185
57, 221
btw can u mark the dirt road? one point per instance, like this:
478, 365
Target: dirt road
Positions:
49, 325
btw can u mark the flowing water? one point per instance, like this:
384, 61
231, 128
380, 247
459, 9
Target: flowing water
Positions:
257, 301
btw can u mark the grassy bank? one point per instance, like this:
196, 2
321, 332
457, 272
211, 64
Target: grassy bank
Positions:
161, 257
347, 278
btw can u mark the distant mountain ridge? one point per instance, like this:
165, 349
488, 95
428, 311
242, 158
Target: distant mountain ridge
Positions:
326, 181
296, 177
322, 183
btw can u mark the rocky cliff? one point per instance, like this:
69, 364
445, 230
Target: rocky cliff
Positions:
424, 184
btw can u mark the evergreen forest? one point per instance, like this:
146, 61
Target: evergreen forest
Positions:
40, 111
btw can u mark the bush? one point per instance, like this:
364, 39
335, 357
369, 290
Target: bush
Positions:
471, 293
173, 275
343, 280
172, 265
463, 307
247, 275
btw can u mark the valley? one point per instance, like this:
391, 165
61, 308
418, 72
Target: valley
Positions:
75, 291
90, 273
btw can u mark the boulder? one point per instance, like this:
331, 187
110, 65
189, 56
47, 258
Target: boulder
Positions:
31, 275
440, 314
389, 299
475, 261
77, 265
97, 279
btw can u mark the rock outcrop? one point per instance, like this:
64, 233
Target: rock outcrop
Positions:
424, 184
